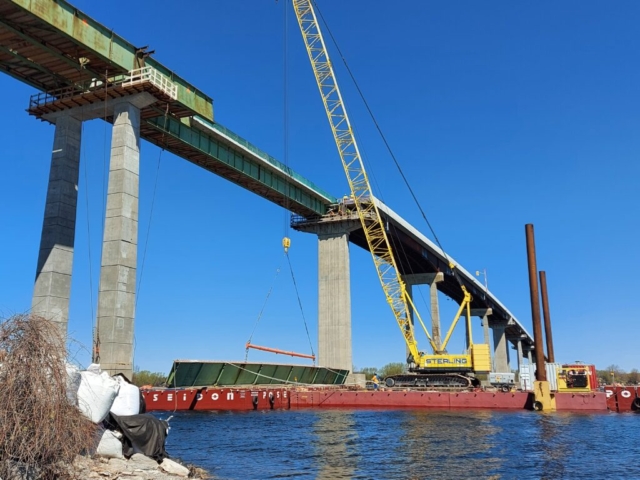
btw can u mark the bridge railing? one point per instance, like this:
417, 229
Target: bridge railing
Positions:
135, 77
153, 76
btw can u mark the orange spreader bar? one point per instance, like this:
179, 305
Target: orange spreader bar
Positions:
283, 352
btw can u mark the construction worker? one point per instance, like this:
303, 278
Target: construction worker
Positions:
375, 381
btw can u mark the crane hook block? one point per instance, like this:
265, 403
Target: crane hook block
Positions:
286, 243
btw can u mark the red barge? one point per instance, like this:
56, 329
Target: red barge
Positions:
290, 398
253, 386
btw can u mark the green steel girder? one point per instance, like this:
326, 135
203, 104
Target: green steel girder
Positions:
50, 51
110, 47
9, 71
31, 64
237, 167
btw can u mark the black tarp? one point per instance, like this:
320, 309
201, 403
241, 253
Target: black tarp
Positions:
144, 433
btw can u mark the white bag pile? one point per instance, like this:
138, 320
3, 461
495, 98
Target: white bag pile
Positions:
127, 402
96, 393
110, 445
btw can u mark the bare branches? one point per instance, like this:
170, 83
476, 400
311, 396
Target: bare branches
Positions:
40, 429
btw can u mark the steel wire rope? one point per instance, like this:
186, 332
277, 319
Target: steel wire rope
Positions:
286, 210
255, 325
285, 119
86, 196
398, 247
285, 154
384, 139
146, 243
153, 201
295, 286
96, 339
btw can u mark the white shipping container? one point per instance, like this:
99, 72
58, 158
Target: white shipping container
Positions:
528, 375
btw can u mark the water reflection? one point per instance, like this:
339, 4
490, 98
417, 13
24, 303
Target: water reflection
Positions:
405, 444
334, 441
438, 444
554, 450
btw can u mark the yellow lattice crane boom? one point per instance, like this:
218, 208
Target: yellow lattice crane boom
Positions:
362, 196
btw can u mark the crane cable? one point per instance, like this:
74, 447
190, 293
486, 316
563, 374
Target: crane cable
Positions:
286, 243
386, 143
262, 310
295, 286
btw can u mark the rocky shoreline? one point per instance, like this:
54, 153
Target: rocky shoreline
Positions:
138, 467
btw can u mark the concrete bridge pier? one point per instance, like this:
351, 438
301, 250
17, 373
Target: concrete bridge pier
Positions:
500, 348
520, 355
52, 288
117, 291
484, 314
334, 291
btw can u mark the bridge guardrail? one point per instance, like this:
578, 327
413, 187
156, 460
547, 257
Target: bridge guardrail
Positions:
135, 77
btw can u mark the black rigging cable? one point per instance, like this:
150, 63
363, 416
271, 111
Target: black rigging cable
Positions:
384, 139
295, 285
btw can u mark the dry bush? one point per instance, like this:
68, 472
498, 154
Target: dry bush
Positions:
40, 430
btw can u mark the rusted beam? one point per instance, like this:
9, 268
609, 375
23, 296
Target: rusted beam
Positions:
283, 352
547, 316
541, 373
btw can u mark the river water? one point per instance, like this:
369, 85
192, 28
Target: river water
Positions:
407, 444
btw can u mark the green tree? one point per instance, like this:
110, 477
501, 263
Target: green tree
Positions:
368, 371
612, 374
145, 377
392, 369
633, 377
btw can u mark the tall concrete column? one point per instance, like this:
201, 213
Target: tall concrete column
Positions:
116, 297
431, 279
530, 357
55, 259
500, 352
484, 313
334, 297
485, 329
519, 346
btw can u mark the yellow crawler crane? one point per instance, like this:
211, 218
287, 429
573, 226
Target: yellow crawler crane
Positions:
440, 369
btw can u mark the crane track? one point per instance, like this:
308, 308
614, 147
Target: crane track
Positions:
430, 380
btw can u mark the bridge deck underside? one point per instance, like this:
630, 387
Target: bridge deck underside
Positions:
35, 53
412, 257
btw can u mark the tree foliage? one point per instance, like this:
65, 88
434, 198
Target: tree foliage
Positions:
613, 374
368, 371
145, 377
388, 369
392, 369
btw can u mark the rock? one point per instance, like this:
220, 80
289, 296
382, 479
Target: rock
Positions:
139, 467
174, 468
118, 464
139, 460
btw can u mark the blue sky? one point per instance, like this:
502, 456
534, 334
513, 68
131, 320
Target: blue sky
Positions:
500, 113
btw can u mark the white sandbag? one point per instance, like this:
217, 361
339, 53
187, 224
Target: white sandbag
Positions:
73, 383
94, 368
96, 395
127, 402
110, 445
